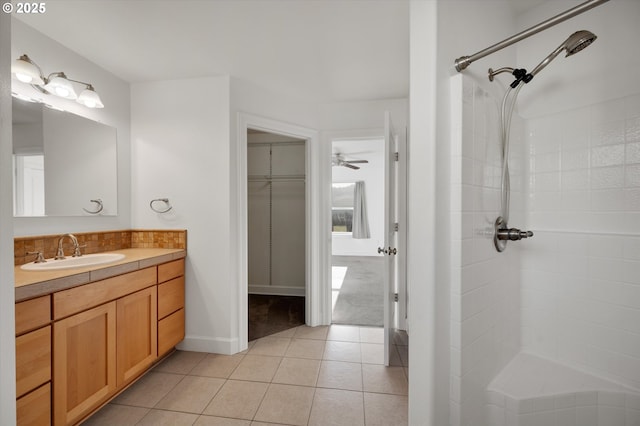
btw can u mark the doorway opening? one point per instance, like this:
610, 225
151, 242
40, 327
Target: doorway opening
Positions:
357, 230
315, 225
276, 198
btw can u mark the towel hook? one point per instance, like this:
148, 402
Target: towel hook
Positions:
99, 206
162, 200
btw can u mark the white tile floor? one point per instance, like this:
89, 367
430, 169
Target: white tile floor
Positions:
304, 376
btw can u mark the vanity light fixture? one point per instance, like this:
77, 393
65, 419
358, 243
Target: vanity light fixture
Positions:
89, 98
57, 83
27, 71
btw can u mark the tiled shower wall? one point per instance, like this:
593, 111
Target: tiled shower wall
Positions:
581, 271
485, 284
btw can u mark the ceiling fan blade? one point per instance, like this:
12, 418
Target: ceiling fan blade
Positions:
356, 161
350, 166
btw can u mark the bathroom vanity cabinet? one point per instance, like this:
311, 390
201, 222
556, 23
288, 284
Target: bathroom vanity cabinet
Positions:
77, 348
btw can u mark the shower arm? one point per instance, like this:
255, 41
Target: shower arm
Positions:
464, 61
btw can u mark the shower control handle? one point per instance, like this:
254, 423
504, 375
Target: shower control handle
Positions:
513, 234
503, 234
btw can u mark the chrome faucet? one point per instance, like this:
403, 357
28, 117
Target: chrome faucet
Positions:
76, 247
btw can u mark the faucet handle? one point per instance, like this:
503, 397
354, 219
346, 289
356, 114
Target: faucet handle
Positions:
39, 257
76, 250
59, 254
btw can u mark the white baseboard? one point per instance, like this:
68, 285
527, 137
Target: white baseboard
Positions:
277, 290
215, 345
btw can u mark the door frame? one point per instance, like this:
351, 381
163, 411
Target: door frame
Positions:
402, 168
356, 134
314, 223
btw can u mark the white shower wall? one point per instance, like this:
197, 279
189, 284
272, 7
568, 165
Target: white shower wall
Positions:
485, 284
581, 272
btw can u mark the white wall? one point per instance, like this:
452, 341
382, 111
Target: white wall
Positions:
349, 116
180, 151
51, 57
581, 272
372, 174
7, 316
426, 404
464, 343
485, 284
581, 277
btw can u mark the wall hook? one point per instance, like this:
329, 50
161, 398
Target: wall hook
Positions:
161, 200
99, 206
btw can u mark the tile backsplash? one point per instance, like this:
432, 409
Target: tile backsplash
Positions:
97, 242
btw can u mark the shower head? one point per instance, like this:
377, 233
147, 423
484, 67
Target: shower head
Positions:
575, 43
578, 41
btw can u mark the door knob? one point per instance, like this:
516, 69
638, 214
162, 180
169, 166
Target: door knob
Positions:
392, 251
381, 250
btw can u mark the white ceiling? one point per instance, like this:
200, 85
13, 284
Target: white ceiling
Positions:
317, 50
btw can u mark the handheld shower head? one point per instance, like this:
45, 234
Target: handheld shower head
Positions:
578, 41
575, 43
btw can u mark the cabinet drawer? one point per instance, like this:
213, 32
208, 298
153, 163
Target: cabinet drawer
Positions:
170, 270
170, 331
33, 360
35, 408
170, 296
78, 299
32, 314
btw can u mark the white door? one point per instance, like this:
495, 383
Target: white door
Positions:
390, 234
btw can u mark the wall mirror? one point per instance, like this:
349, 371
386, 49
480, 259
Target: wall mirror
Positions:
64, 164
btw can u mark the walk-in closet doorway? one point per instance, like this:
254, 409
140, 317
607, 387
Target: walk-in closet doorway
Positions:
276, 220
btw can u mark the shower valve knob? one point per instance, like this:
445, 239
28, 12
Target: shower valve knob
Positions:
513, 234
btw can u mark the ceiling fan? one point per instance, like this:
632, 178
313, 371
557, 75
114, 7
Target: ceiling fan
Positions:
338, 160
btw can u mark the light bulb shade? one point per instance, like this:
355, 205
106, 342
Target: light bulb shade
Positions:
89, 98
61, 87
26, 71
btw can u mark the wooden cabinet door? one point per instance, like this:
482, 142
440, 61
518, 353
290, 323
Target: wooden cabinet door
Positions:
84, 362
137, 323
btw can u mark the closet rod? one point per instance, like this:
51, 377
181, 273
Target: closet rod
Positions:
275, 143
276, 180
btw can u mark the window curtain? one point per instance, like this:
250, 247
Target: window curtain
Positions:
360, 227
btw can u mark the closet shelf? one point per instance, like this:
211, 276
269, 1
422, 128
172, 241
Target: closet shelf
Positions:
276, 178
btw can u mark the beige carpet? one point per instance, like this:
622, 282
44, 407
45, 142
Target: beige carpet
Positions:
359, 290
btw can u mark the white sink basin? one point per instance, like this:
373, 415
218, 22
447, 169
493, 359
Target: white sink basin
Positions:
74, 262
